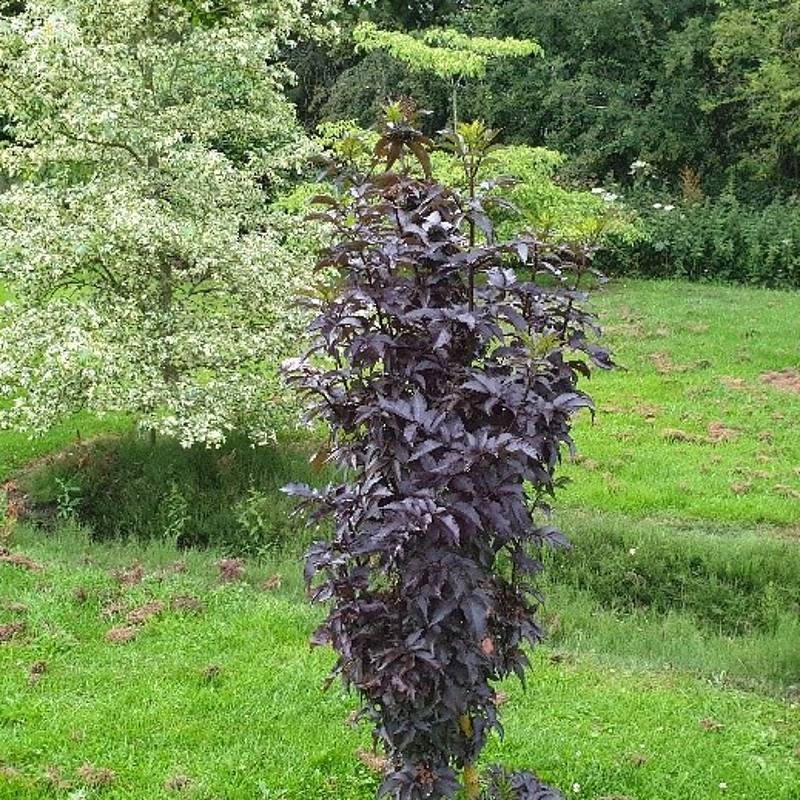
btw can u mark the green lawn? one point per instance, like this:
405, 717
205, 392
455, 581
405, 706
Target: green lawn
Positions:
673, 663
693, 358
227, 702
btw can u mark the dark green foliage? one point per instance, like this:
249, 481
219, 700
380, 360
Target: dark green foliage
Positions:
335, 83
621, 79
364, 88
756, 48
125, 487
676, 82
611, 71
716, 241
737, 586
8, 8
410, 14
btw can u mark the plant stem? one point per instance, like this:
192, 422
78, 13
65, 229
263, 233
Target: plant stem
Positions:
472, 784
471, 177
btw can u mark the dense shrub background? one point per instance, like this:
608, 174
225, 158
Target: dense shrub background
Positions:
683, 86
676, 82
722, 240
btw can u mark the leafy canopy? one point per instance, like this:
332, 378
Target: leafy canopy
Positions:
445, 53
148, 275
757, 48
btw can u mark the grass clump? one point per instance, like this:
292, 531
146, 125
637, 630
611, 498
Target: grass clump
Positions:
124, 487
731, 581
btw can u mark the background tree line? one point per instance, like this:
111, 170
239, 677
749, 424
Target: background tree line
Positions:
702, 84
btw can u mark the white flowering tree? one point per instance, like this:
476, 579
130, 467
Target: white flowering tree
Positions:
146, 272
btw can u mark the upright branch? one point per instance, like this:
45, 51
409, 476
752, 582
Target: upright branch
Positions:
472, 144
448, 374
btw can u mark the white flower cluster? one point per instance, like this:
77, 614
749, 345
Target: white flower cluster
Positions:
640, 167
662, 207
605, 194
146, 271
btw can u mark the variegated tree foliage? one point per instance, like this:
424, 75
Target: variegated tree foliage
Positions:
146, 272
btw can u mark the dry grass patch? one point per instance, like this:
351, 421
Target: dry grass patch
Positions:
9, 631
18, 560
143, 614
122, 635
787, 380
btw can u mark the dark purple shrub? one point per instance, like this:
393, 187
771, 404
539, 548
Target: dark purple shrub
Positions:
448, 376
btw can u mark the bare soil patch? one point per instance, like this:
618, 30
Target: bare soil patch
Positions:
18, 560
231, 570
128, 576
187, 603
719, 432
122, 635
787, 380
9, 631
143, 614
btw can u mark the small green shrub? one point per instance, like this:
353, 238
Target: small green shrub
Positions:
262, 521
721, 240
68, 499
124, 487
528, 196
540, 203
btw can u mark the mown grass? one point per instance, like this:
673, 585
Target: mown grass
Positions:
226, 702
714, 600
727, 583
673, 663
765, 661
693, 356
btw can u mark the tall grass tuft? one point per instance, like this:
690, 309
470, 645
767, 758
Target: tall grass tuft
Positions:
127, 488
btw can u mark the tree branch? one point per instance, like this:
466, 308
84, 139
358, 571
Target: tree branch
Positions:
104, 144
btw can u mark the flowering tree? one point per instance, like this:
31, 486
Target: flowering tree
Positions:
448, 374
147, 275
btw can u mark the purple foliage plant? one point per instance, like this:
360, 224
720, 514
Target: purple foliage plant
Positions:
447, 371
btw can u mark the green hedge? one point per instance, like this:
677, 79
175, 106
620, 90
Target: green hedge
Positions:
719, 240
734, 584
